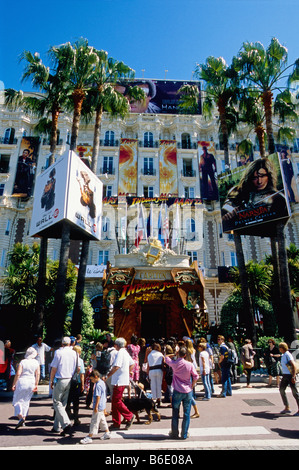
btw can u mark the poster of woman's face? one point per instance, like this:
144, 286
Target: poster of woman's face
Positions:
253, 196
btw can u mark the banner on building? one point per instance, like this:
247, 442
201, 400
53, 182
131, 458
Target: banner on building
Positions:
207, 171
26, 167
127, 172
253, 198
288, 173
68, 191
168, 167
162, 96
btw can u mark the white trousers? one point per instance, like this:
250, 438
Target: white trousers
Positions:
156, 377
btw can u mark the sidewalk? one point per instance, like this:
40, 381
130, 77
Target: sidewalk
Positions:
250, 419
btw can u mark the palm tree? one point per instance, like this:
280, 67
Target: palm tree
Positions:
221, 89
103, 97
263, 70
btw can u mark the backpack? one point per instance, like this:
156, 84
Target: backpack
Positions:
103, 363
231, 357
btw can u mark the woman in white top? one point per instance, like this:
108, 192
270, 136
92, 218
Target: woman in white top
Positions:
25, 384
155, 361
204, 366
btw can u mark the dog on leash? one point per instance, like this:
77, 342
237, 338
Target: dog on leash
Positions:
142, 403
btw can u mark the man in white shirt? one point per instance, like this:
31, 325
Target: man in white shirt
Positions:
120, 373
41, 349
63, 367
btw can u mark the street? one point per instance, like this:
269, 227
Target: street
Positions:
249, 420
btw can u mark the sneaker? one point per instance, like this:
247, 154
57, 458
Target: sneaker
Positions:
172, 435
105, 436
285, 412
86, 440
129, 423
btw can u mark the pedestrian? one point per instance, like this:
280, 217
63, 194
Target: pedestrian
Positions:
133, 349
77, 388
63, 367
190, 357
8, 369
211, 361
288, 378
272, 359
247, 359
110, 352
25, 384
41, 349
204, 367
183, 372
225, 368
120, 373
98, 418
155, 361
231, 345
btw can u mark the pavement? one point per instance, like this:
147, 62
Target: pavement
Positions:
248, 420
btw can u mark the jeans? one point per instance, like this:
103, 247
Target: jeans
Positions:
177, 399
207, 386
285, 381
226, 382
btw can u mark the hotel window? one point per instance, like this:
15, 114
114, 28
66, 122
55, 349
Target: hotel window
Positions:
107, 190
193, 255
233, 258
190, 229
186, 141
148, 191
109, 139
7, 227
108, 165
148, 139
106, 228
4, 163
3, 258
148, 166
1, 189
9, 135
189, 192
103, 257
187, 168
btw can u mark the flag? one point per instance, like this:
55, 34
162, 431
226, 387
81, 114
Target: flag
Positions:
166, 227
150, 223
176, 228
141, 232
160, 236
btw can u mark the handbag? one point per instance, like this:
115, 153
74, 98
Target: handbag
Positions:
249, 364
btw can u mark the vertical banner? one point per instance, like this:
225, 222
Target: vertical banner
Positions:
168, 167
26, 167
207, 171
127, 173
85, 153
288, 174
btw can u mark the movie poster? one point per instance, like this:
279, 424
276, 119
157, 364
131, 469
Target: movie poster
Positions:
288, 173
67, 190
207, 171
127, 172
162, 96
252, 198
26, 167
168, 167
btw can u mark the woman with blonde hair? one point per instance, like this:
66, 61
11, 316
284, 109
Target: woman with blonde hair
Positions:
190, 357
288, 378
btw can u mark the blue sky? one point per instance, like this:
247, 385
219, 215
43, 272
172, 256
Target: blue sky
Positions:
153, 36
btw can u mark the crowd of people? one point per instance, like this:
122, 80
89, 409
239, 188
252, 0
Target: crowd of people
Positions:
166, 370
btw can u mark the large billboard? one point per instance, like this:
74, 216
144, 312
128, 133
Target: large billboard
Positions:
288, 173
127, 171
26, 167
207, 171
69, 191
162, 96
252, 197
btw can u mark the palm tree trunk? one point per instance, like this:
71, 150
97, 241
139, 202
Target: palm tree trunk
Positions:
267, 101
224, 131
78, 97
260, 132
78, 305
56, 328
247, 315
54, 135
286, 309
